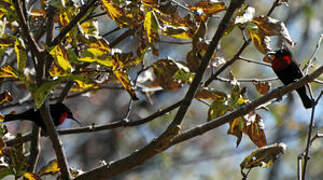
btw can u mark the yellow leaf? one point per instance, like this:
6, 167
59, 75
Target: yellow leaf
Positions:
8, 71
31, 176
60, 56
151, 26
38, 13
93, 55
90, 28
208, 8
56, 71
123, 78
7, 40
259, 39
21, 54
51, 168
177, 32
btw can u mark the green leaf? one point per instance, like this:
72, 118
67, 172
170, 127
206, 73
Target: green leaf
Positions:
4, 171
40, 94
21, 54
217, 109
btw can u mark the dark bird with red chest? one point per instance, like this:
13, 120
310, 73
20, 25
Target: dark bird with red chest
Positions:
288, 72
58, 111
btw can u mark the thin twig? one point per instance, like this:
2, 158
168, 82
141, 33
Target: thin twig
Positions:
34, 149
309, 62
112, 31
253, 61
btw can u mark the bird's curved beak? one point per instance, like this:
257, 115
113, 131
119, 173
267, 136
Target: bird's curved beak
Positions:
76, 120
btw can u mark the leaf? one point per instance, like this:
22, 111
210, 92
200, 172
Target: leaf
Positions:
90, 28
262, 87
8, 72
177, 32
218, 108
151, 26
118, 14
123, 78
7, 40
51, 168
254, 128
273, 27
101, 44
235, 128
56, 71
208, 8
4, 171
208, 93
60, 56
171, 74
151, 3
21, 54
246, 16
40, 94
38, 13
5, 97
94, 55
259, 39
264, 156
31, 176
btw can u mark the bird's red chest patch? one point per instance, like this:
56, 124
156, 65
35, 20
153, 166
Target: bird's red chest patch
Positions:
280, 63
62, 118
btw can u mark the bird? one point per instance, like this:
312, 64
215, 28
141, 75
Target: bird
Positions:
285, 67
59, 112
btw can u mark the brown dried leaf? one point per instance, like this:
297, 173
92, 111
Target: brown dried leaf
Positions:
207, 93
254, 128
259, 39
262, 87
273, 27
208, 8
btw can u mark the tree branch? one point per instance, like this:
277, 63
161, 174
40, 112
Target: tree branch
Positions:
162, 142
276, 93
57, 144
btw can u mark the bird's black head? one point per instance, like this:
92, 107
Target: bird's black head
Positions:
282, 52
63, 112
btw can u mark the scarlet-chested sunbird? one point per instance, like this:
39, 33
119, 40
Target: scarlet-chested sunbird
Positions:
287, 70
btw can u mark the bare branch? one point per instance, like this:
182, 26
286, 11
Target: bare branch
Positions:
276, 93
57, 144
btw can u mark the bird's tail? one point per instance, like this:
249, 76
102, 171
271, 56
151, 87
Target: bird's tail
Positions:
307, 102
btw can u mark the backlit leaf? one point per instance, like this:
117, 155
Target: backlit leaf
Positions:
51, 168
60, 56
40, 93
5, 97
90, 28
151, 26
208, 8
177, 32
259, 39
254, 128
151, 3
218, 108
31, 176
21, 54
207, 93
123, 78
236, 127
273, 27
171, 74
94, 55
8, 72
264, 156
